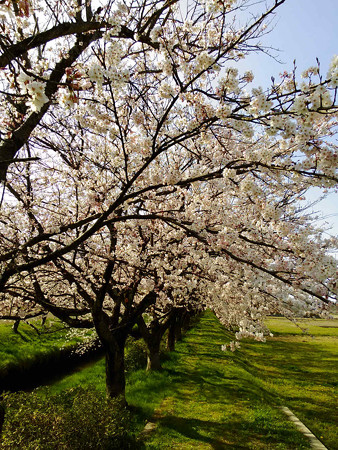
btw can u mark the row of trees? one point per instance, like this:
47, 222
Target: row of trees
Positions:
142, 178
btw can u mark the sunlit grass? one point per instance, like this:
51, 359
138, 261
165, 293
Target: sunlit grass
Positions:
92, 374
300, 370
19, 349
205, 398
316, 327
212, 401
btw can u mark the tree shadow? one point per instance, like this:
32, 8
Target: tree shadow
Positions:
254, 382
204, 431
197, 430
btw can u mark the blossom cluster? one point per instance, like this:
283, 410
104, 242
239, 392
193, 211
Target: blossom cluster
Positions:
233, 345
167, 175
35, 90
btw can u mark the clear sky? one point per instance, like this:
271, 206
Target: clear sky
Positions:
302, 30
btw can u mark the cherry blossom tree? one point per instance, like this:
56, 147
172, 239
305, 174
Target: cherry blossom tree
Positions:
141, 173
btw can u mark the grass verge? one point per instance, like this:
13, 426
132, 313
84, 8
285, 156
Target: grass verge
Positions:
31, 345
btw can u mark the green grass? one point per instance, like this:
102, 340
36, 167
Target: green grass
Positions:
18, 349
242, 390
301, 371
205, 398
93, 374
314, 327
208, 399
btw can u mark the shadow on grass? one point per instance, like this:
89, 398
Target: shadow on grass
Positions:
300, 375
234, 434
198, 430
229, 400
214, 387
298, 363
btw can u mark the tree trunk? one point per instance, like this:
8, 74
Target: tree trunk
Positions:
171, 336
152, 336
178, 329
113, 344
113, 336
16, 325
153, 353
115, 374
186, 321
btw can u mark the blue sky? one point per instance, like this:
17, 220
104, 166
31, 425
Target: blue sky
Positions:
303, 30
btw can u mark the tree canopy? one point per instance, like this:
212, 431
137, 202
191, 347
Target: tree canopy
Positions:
141, 172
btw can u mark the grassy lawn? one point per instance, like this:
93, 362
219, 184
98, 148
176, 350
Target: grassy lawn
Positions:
205, 398
300, 370
28, 344
310, 327
211, 400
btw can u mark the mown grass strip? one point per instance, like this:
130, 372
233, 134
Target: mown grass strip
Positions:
300, 370
212, 401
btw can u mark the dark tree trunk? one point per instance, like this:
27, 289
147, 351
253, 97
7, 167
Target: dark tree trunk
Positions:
152, 336
171, 336
175, 329
16, 325
113, 335
186, 321
182, 323
115, 373
153, 353
178, 330
113, 343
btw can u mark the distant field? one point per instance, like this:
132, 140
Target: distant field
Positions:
317, 327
